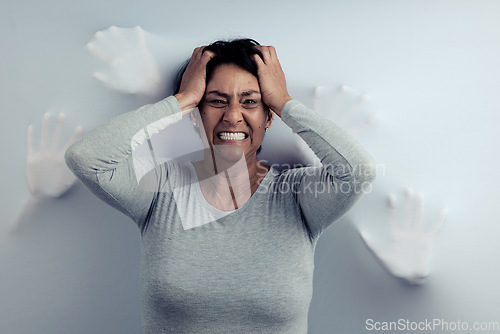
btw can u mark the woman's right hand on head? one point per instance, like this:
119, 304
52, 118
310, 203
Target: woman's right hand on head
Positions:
193, 80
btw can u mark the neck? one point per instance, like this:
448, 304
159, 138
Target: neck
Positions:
227, 185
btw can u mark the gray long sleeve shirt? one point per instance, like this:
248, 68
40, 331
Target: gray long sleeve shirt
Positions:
246, 271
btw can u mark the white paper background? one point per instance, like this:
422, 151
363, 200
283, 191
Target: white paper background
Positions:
431, 68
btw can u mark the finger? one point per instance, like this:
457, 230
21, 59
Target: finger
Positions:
103, 77
441, 219
258, 61
345, 109
332, 103
206, 56
197, 52
99, 35
369, 241
195, 62
419, 212
56, 139
117, 39
106, 44
45, 132
409, 212
272, 53
366, 237
266, 53
97, 52
31, 143
263, 53
76, 135
140, 36
343, 89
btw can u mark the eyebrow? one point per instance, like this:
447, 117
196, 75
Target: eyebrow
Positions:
225, 95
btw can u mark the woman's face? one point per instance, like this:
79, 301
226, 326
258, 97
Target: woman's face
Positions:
233, 114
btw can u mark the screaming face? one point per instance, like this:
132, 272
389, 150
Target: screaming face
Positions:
233, 114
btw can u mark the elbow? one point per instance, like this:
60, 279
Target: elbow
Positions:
74, 158
70, 156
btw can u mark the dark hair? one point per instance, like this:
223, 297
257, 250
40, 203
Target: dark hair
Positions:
238, 52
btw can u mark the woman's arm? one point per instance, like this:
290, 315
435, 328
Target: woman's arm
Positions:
328, 192
103, 159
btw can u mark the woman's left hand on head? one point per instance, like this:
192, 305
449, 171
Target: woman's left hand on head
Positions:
271, 79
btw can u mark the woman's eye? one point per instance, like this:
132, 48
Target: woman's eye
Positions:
217, 103
250, 104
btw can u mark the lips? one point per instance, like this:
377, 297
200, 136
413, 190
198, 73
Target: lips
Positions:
232, 135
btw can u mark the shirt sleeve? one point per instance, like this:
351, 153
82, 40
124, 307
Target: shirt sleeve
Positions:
104, 161
327, 192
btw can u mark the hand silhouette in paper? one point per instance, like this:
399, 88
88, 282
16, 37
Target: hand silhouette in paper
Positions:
343, 105
407, 252
131, 67
47, 171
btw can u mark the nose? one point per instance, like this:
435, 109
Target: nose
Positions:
233, 115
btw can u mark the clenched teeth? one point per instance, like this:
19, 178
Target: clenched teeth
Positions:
232, 135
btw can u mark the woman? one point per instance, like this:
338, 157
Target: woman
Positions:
227, 242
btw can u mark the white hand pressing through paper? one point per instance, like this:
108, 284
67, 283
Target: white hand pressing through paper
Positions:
47, 171
132, 68
407, 252
345, 106
48, 175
